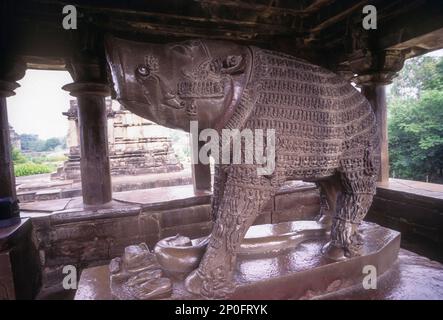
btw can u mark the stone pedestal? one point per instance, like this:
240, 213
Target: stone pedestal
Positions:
301, 272
95, 169
20, 276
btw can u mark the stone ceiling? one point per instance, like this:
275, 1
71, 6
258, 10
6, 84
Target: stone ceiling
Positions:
319, 30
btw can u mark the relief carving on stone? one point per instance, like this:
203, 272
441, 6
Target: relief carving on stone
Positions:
325, 132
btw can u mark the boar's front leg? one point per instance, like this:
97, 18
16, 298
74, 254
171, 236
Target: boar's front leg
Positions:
245, 195
220, 177
352, 205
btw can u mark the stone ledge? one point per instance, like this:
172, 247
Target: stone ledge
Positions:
68, 233
416, 210
164, 198
78, 214
10, 235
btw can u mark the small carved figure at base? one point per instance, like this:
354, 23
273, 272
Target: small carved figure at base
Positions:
137, 275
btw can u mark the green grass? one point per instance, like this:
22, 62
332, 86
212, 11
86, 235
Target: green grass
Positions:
25, 165
30, 168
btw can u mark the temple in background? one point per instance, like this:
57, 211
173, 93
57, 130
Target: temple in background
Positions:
136, 145
15, 138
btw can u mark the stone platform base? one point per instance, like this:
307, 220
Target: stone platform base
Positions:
303, 273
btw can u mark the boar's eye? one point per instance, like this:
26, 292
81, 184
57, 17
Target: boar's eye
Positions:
144, 70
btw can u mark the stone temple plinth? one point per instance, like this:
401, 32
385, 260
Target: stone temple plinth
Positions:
136, 145
302, 272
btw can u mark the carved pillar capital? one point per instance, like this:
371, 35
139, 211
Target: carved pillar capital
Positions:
345, 72
11, 70
7, 88
89, 76
370, 68
77, 89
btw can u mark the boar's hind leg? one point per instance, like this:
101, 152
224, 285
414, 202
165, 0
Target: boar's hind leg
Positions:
328, 198
245, 195
352, 205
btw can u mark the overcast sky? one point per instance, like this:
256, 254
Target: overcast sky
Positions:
38, 104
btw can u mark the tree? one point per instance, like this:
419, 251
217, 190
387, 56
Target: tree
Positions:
17, 156
31, 142
416, 75
52, 143
416, 121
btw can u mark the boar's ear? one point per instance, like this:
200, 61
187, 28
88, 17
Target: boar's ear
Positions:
233, 65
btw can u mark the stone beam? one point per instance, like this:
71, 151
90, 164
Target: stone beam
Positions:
403, 27
422, 44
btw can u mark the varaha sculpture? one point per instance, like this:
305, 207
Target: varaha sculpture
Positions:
325, 133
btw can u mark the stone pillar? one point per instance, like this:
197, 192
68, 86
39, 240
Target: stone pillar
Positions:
201, 173
376, 94
9, 210
373, 72
94, 163
72, 138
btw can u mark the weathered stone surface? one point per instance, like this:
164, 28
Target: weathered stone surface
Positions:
412, 277
300, 274
20, 275
188, 215
86, 237
149, 223
137, 275
46, 206
26, 196
27, 188
75, 252
265, 217
301, 204
118, 245
414, 209
164, 198
7, 290
48, 195
195, 230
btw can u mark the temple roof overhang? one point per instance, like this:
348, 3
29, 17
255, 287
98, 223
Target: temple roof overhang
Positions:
327, 32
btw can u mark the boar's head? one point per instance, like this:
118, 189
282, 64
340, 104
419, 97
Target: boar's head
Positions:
174, 83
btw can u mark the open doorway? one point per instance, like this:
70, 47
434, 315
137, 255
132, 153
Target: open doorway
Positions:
44, 130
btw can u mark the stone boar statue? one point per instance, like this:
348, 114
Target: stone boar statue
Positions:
325, 132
